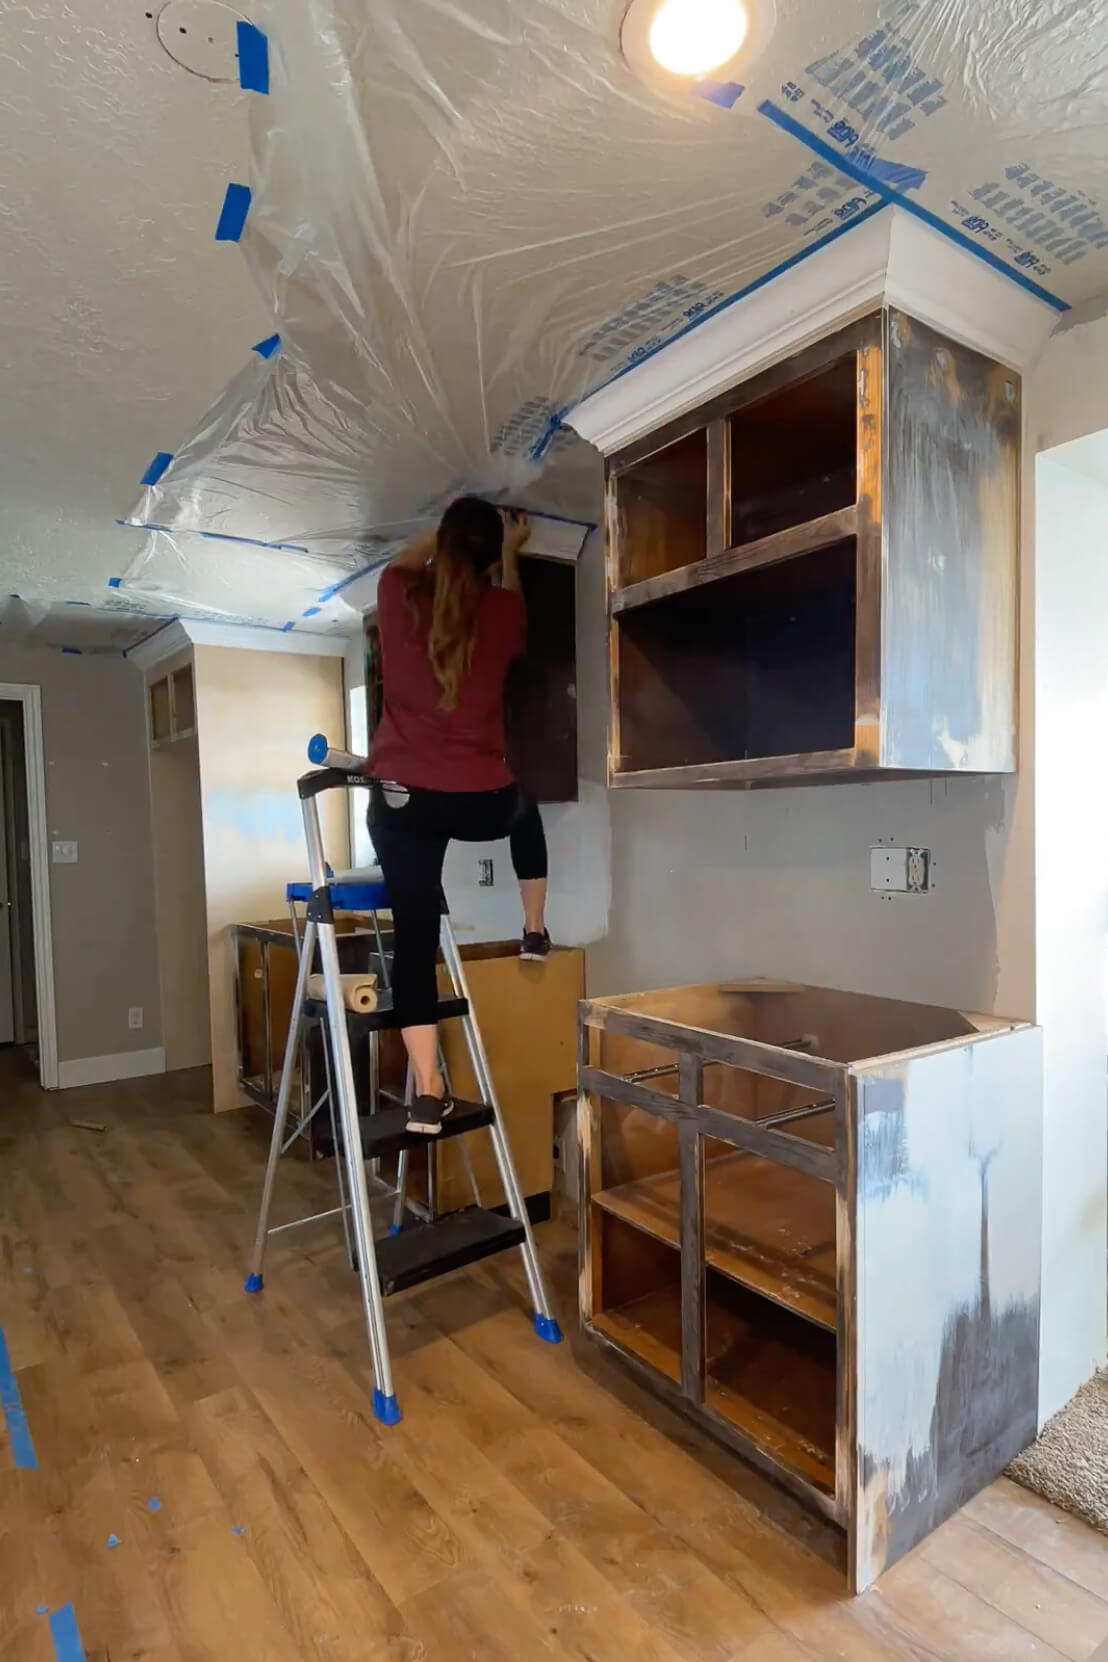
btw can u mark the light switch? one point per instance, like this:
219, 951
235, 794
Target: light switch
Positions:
64, 854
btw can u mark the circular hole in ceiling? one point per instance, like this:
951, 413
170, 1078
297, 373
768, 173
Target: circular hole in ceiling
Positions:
201, 36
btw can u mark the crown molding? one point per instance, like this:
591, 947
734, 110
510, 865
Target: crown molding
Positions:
892, 258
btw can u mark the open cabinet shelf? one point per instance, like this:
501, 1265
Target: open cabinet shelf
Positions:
815, 576
766, 1227
767, 1373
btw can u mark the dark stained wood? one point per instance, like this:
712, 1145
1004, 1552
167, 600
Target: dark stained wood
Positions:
540, 701
691, 1235
718, 536
867, 637
662, 509
783, 545
810, 360
793, 453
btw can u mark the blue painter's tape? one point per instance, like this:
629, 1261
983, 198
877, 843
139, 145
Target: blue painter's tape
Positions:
253, 58
153, 1504
895, 175
19, 1432
253, 542
866, 176
78, 603
337, 588
156, 469
724, 93
312, 611
113, 1542
73, 651
66, 1635
285, 627
232, 218
114, 582
266, 348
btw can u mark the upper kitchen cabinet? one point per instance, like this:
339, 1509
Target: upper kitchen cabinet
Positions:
813, 571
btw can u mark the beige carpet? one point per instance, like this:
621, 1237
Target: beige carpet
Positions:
1069, 1463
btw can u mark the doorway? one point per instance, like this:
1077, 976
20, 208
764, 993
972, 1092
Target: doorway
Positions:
26, 951
18, 1001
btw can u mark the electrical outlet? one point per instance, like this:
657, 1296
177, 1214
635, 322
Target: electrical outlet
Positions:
134, 1016
900, 870
484, 874
64, 854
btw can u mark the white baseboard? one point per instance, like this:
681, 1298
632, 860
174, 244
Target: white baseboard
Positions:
102, 1070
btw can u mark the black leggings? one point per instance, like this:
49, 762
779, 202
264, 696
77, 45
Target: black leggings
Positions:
411, 828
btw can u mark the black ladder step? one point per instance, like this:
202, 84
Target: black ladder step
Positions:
429, 1249
372, 1021
387, 1132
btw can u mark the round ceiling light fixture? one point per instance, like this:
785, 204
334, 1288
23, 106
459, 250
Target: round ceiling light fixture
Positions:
673, 44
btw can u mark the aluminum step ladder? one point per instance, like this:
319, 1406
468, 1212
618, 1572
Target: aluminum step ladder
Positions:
403, 1258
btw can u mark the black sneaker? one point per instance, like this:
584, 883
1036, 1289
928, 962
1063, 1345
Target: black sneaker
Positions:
427, 1113
535, 948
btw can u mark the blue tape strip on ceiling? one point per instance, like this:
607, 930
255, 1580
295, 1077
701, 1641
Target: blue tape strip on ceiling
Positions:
253, 52
266, 348
157, 468
232, 218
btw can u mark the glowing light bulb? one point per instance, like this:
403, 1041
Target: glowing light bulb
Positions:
691, 37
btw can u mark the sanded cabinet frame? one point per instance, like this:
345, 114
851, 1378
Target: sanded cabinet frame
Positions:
955, 1119
933, 521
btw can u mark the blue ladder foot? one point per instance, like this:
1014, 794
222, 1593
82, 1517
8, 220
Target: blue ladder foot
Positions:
395, 1228
252, 1284
387, 1409
547, 1329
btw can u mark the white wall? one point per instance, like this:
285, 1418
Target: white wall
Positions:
1071, 905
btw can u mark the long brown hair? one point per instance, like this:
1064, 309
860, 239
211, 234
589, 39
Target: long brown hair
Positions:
470, 541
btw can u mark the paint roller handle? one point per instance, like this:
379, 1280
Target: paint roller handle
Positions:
334, 769
321, 753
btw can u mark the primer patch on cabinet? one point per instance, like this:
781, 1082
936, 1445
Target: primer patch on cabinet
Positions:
950, 1152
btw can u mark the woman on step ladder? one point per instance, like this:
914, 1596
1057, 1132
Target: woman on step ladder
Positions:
448, 636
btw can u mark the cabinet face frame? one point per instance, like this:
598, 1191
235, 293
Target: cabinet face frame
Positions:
862, 519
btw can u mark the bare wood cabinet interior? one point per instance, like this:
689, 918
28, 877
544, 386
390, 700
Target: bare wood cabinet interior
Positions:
810, 1221
815, 575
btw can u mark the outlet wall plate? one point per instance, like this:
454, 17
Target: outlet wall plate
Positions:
900, 870
63, 853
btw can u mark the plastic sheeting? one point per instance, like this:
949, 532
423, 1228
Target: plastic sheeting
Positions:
109, 631
467, 214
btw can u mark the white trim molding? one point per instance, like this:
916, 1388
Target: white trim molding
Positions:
891, 258
30, 697
103, 1070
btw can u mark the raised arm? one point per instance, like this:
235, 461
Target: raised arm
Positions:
415, 554
517, 529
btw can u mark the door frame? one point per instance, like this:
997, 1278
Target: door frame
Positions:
30, 697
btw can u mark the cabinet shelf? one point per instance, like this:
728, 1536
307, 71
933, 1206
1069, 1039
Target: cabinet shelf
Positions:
784, 545
768, 1374
767, 1227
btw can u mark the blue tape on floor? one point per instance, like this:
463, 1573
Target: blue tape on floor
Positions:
66, 1635
253, 58
156, 469
19, 1433
232, 218
266, 348
879, 178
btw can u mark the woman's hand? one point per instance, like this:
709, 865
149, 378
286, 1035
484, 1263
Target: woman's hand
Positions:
517, 529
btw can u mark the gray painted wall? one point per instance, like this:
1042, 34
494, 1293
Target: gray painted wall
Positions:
97, 794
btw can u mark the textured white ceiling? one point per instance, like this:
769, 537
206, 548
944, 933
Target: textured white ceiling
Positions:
120, 317
467, 214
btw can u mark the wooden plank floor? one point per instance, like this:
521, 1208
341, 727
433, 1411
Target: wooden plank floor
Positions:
531, 1505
